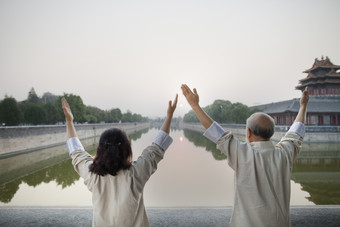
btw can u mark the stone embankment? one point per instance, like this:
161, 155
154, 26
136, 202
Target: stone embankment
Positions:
313, 134
311, 216
18, 140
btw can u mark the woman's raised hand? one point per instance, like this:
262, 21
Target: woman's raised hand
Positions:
67, 110
172, 106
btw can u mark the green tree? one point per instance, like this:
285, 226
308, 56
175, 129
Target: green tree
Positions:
47, 110
224, 112
127, 117
137, 118
94, 114
34, 113
52, 114
240, 113
77, 106
115, 115
190, 117
91, 119
32, 96
219, 110
10, 113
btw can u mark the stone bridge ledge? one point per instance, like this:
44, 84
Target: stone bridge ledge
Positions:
311, 216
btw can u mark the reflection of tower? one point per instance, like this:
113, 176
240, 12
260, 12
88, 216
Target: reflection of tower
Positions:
323, 82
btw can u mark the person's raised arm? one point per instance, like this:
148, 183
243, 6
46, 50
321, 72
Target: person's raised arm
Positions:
71, 131
171, 109
147, 163
301, 116
193, 100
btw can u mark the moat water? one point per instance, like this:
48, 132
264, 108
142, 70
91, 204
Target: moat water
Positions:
192, 173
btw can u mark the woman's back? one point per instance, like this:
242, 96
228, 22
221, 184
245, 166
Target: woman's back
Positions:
116, 183
116, 202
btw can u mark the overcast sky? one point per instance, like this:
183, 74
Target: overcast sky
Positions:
135, 55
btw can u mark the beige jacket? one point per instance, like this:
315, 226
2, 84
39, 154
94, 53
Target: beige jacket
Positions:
118, 200
262, 178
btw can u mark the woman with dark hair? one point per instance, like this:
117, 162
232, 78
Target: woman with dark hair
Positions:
113, 153
115, 181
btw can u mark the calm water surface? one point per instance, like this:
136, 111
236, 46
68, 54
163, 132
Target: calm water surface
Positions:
192, 173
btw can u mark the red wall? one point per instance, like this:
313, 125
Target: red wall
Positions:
325, 91
312, 118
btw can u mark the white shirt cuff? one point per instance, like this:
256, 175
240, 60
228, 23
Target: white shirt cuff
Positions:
74, 144
298, 128
163, 140
214, 132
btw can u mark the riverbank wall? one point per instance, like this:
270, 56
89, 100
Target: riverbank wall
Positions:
313, 134
19, 140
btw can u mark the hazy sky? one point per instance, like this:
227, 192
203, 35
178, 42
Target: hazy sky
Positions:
135, 55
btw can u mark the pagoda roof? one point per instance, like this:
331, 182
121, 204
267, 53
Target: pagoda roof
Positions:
329, 76
320, 82
332, 74
315, 105
323, 63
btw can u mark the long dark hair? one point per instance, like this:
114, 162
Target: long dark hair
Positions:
114, 153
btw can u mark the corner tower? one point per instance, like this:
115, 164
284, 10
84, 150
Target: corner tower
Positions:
322, 79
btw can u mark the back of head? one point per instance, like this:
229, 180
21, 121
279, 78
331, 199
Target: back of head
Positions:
114, 153
261, 125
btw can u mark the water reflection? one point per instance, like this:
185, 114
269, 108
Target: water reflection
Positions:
62, 173
200, 141
137, 135
317, 168
58, 169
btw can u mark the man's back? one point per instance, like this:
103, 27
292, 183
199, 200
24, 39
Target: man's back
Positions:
262, 179
262, 171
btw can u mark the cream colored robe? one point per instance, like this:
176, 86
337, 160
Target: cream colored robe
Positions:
262, 177
118, 200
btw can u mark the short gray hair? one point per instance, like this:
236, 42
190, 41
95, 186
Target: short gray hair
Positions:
262, 125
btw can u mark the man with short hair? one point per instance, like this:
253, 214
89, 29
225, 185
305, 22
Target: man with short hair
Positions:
262, 169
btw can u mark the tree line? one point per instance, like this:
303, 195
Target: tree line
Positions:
223, 111
47, 109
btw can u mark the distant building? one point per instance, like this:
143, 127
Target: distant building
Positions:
323, 82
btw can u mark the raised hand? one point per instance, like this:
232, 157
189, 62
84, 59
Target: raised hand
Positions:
172, 106
67, 110
192, 97
304, 97
171, 109
193, 100
301, 115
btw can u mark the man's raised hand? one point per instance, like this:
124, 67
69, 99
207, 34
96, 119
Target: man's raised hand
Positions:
304, 97
192, 97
